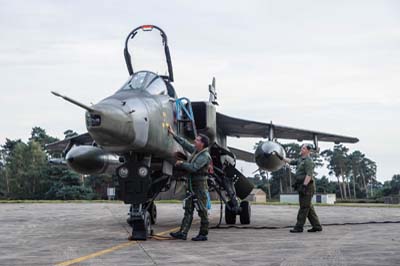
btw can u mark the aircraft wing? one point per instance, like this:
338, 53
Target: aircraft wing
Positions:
242, 155
62, 145
236, 127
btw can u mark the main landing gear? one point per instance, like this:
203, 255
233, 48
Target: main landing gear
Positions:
244, 212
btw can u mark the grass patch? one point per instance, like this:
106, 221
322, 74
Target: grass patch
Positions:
168, 201
59, 201
214, 202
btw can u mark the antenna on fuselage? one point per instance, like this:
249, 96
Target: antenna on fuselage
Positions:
213, 92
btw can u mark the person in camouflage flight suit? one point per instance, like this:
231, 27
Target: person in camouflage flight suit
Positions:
305, 186
197, 168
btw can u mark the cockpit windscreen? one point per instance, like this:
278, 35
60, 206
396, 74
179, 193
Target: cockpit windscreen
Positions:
146, 81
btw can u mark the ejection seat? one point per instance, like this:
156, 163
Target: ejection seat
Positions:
170, 90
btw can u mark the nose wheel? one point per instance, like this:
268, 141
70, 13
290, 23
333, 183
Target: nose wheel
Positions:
153, 213
140, 221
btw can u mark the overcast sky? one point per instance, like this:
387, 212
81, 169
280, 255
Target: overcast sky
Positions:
331, 66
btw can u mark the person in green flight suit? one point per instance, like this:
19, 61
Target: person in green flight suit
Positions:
305, 186
197, 168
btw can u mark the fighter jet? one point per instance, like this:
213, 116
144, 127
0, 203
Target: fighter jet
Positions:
127, 135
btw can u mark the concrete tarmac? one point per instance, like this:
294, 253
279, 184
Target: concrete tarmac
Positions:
96, 234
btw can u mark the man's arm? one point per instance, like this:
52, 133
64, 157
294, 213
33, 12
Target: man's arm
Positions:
186, 145
286, 160
290, 161
307, 180
309, 166
195, 166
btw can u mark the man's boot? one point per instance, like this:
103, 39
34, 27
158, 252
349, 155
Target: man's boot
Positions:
200, 237
315, 229
296, 230
178, 235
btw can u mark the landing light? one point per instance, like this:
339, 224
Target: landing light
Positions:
123, 172
143, 171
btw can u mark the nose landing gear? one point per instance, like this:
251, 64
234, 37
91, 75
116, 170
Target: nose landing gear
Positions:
140, 221
135, 187
244, 213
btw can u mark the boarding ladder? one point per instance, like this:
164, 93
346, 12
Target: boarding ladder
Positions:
185, 118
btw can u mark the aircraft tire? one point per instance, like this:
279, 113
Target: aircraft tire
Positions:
147, 223
153, 213
245, 213
230, 217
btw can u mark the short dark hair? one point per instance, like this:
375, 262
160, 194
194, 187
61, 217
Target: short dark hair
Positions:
309, 147
205, 140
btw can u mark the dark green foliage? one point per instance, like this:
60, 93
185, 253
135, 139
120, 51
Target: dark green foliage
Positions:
24, 167
356, 171
3, 189
67, 185
40, 136
25, 171
26, 174
392, 187
74, 193
324, 185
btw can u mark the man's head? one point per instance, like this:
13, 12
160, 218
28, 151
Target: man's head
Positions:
201, 142
306, 149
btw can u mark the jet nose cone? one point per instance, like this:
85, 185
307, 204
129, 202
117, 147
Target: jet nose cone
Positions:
110, 125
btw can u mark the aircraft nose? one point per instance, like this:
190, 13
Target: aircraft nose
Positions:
109, 125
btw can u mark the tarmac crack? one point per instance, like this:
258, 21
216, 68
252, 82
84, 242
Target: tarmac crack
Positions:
147, 253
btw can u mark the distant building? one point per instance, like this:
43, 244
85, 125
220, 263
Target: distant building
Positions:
257, 195
318, 198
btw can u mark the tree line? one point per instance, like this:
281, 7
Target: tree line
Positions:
25, 173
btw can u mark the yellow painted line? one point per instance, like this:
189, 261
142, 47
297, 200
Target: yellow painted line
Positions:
96, 254
106, 251
112, 249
